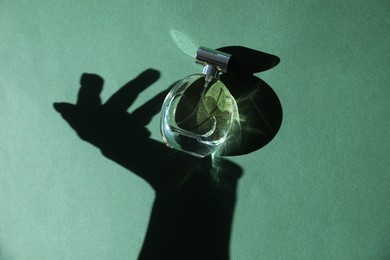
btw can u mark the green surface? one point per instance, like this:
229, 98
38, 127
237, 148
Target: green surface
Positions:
319, 190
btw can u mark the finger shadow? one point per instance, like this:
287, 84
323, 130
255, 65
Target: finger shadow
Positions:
193, 209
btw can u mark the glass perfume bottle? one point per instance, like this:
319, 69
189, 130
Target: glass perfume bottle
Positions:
199, 112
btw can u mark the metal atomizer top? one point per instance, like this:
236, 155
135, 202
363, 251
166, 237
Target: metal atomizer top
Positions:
213, 61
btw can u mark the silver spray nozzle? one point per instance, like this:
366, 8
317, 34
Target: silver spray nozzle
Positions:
213, 60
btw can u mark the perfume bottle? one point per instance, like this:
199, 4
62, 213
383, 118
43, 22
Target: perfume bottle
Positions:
199, 113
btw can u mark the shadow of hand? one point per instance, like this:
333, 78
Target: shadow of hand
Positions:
195, 198
121, 136
94, 121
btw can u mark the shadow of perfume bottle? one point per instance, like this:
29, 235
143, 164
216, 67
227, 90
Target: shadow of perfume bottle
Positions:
195, 198
260, 110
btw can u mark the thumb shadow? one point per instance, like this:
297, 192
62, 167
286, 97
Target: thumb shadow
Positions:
195, 197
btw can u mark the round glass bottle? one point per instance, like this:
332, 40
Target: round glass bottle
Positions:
199, 111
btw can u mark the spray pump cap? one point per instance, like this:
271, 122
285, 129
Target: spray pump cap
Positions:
213, 60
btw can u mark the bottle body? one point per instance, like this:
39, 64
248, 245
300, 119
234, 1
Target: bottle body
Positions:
197, 115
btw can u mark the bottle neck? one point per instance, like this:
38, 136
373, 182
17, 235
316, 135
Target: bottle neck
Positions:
210, 71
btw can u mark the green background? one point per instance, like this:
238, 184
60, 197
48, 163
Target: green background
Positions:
319, 190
